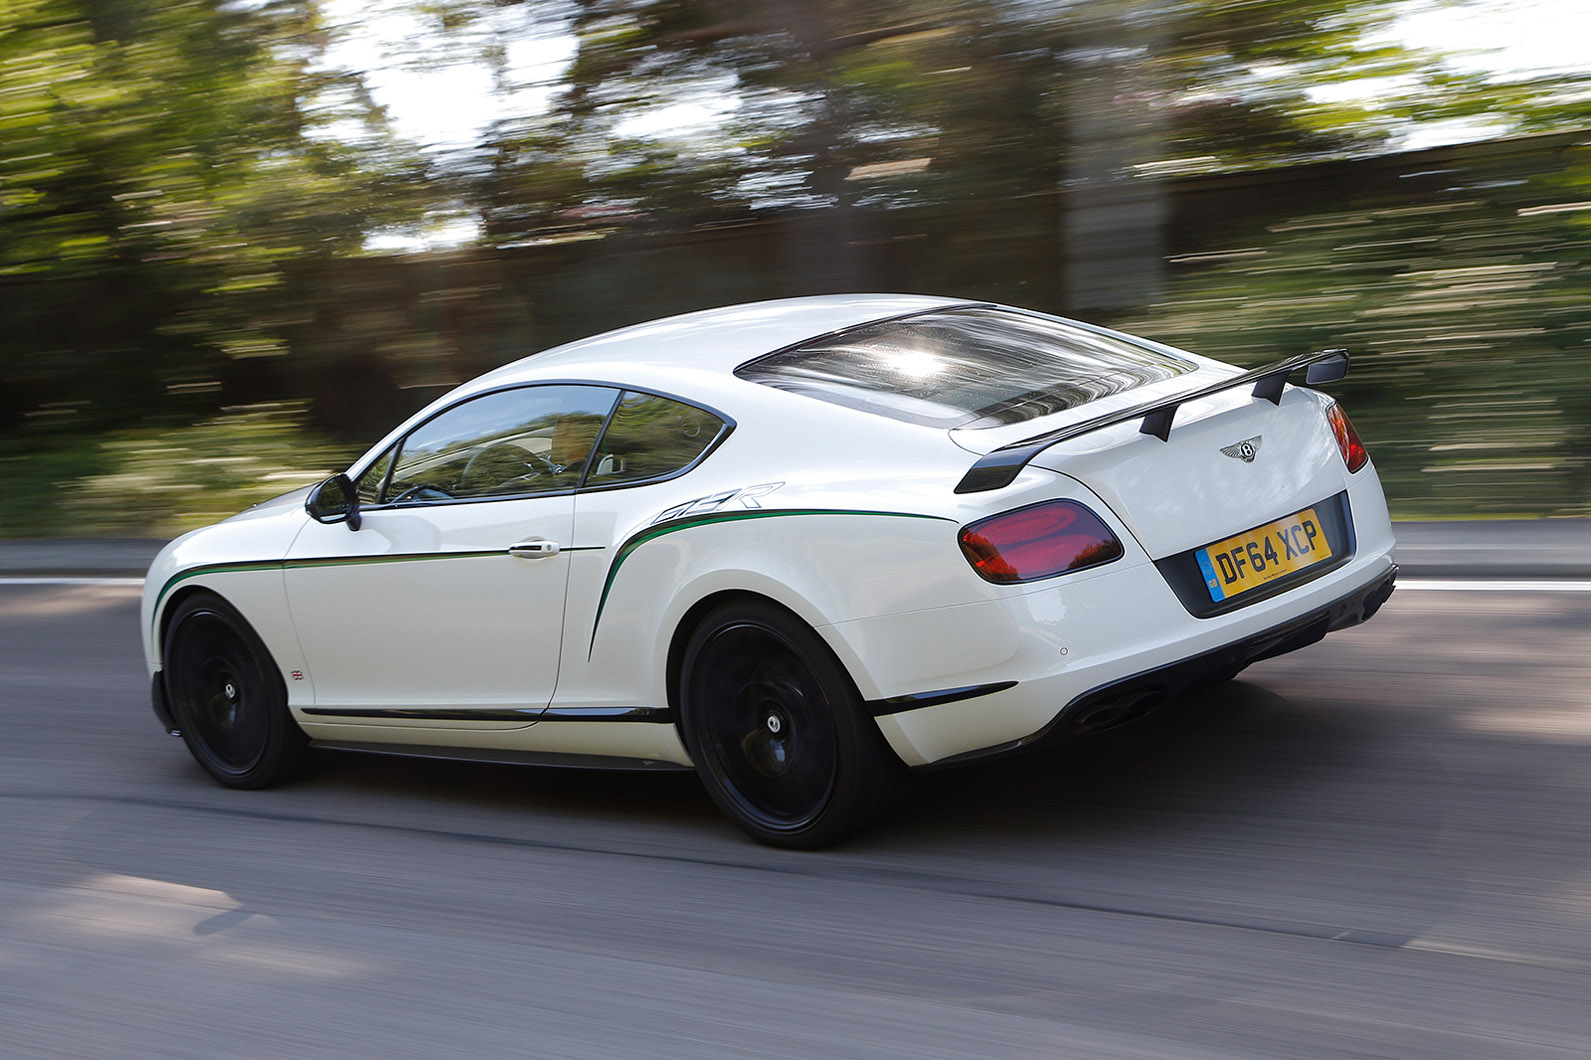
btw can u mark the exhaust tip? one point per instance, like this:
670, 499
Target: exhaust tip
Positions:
1374, 601
1110, 713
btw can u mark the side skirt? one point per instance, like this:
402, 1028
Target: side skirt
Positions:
527, 715
504, 757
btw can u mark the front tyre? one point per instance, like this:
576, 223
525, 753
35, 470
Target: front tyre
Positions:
227, 697
777, 730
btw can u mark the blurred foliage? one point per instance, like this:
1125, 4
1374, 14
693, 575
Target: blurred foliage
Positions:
35, 475
188, 191
837, 104
163, 482
170, 156
1467, 308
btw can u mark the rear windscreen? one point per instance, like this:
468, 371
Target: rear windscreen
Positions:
967, 367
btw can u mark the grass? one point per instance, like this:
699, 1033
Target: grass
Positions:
159, 482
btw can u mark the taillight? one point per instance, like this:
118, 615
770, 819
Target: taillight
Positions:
1348, 443
1039, 541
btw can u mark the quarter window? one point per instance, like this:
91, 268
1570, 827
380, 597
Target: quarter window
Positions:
651, 437
507, 444
369, 484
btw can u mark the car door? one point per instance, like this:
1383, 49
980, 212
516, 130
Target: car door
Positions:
447, 603
650, 441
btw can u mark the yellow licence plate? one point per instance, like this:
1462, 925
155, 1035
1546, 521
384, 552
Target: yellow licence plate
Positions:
1255, 557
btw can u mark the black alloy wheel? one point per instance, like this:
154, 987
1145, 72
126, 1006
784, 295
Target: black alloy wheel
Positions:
227, 697
777, 730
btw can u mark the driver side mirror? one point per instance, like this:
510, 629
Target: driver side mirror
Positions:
334, 501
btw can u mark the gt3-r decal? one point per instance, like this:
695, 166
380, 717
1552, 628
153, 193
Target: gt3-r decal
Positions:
745, 498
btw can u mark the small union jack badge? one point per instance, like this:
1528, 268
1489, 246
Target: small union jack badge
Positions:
298, 675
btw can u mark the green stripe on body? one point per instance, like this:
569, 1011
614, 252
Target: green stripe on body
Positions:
326, 561
656, 531
624, 552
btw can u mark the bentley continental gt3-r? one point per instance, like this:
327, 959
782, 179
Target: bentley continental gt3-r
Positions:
800, 546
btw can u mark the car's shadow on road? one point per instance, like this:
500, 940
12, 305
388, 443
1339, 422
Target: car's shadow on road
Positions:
1233, 806
1213, 752
1222, 752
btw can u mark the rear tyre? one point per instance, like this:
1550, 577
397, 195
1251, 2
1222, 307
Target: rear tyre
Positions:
778, 733
228, 698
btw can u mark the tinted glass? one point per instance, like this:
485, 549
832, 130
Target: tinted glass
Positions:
969, 367
650, 437
507, 444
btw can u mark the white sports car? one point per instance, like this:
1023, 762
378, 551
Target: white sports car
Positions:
798, 546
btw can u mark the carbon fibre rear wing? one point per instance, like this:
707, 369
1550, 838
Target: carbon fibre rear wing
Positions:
1001, 467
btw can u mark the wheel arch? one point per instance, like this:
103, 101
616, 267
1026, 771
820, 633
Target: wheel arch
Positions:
168, 608
697, 613
843, 773
178, 596
255, 721
173, 602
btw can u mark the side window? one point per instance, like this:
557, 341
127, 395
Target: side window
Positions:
650, 437
369, 484
534, 439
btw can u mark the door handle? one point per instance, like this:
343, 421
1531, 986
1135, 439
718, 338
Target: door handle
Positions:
537, 548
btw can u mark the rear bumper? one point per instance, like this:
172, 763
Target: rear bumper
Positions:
1132, 697
1105, 647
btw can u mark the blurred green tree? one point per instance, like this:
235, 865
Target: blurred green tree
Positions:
183, 185
1463, 290
832, 103
160, 161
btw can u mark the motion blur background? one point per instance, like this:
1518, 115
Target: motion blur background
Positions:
240, 239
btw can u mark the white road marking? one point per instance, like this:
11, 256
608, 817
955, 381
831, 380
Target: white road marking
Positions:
9, 580
1487, 585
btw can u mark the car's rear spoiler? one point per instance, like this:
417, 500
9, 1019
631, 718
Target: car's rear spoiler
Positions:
1001, 467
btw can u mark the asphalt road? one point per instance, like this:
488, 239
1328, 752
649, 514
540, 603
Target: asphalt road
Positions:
1377, 847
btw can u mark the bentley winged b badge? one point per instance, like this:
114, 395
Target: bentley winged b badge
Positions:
1246, 450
